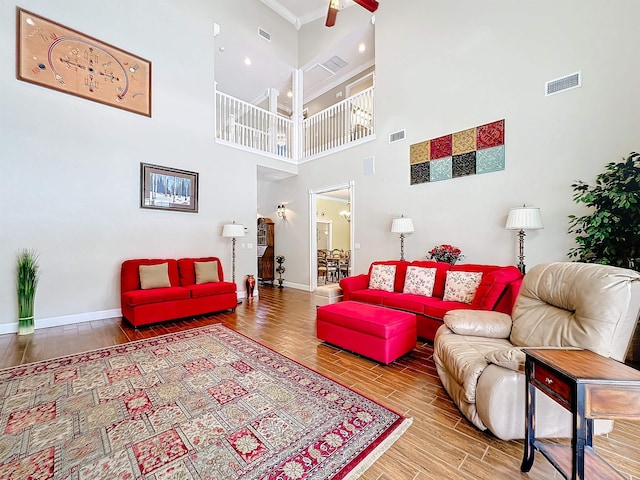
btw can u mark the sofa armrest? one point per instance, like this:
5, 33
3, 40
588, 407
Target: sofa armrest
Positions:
353, 284
479, 323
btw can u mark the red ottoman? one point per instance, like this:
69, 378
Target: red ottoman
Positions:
380, 333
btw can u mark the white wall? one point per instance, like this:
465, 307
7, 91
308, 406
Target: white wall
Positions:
329, 210
70, 167
444, 66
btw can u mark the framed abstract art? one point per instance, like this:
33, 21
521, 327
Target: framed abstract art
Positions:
54, 56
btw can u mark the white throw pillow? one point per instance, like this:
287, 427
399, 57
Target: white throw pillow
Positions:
461, 286
382, 277
420, 281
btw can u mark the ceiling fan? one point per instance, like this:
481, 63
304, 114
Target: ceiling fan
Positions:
334, 6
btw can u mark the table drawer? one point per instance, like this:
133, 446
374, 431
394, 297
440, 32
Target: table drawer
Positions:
552, 384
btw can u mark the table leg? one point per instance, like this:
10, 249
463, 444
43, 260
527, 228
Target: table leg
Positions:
581, 435
530, 425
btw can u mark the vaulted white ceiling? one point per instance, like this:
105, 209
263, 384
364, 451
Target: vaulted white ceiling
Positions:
232, 78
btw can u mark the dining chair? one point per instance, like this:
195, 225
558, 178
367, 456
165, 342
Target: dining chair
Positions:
327, 269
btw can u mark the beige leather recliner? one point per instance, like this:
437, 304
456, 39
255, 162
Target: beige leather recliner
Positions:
479, 358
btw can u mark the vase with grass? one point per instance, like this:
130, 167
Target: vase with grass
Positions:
26, 282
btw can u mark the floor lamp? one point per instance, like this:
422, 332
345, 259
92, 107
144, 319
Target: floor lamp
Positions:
233, 231
523, 218
402, 225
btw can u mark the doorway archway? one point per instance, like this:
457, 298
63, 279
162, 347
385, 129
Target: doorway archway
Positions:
344, 193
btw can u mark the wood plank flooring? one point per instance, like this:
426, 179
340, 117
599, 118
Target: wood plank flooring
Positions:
441, 444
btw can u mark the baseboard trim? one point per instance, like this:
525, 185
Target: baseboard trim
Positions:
297, 286
65, 320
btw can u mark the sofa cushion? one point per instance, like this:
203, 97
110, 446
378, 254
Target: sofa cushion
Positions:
382, 277
154, 276
419, 280
577, 304
461, 286
154, 295
187, 269
493, 286
429, 306
206, 272
407, 301
463, 357
215, 288
401, 270
436, 308
479, 323
374, 297
130, 272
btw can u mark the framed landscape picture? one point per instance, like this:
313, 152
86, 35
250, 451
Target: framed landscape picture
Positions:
165, 188
57, 57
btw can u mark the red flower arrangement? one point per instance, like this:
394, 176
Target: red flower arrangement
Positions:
446, 253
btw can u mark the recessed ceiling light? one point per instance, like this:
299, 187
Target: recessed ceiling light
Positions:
289, 94
221, 49
362, 47
247, 61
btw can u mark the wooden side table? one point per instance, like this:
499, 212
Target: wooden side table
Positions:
590, 386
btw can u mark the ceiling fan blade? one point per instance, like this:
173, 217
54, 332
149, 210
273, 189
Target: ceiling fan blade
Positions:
371, 5
332, 14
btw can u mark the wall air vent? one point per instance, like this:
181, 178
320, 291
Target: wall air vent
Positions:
397, 136
264, 34
563, 84
334, 64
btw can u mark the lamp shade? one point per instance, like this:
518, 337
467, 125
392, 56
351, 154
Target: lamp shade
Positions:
524, 218
402, 225
233, 230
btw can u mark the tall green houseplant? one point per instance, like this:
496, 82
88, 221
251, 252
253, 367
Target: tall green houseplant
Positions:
610, 233
27, 276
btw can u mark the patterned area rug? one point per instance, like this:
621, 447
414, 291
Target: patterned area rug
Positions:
206, 403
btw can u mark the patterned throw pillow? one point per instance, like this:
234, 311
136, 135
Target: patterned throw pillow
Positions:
461, 286
382, 277
420, 281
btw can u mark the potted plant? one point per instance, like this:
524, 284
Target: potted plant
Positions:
610, 233
26, 283
280, 269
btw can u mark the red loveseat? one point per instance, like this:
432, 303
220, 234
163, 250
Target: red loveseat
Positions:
498, 289
183, 298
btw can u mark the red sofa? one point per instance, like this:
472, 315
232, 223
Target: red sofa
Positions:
497, 291
184, 298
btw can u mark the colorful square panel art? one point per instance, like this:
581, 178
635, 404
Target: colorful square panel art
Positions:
472, 151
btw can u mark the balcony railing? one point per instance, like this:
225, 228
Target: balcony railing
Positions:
239, 123
348, 121
254, 128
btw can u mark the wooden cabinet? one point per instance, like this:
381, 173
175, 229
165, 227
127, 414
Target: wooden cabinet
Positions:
266, 272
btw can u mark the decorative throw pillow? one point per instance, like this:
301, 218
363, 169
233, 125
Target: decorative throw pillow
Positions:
382, 277
461, 286
206, 272
420, 281
154, 276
